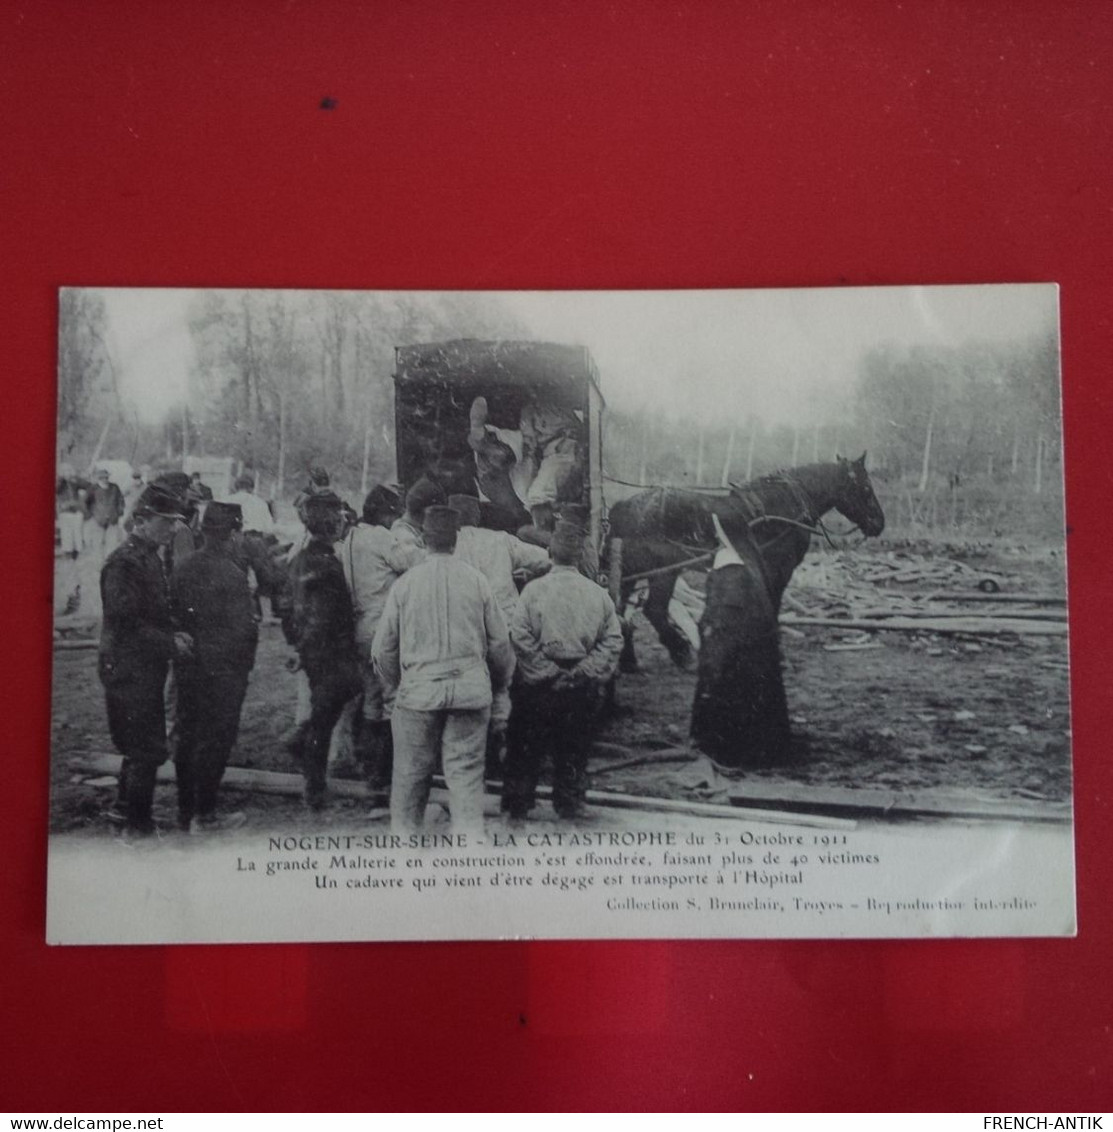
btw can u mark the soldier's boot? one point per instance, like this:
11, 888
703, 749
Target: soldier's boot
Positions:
117, 812
213, 823
295, 744
316, 778
316, 793
140, 785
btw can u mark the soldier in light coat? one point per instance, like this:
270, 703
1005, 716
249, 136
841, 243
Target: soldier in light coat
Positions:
567, 639
442, 644
498, 556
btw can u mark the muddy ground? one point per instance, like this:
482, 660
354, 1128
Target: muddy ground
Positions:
917, 711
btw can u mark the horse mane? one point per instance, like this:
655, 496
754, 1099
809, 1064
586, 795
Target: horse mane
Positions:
780, 475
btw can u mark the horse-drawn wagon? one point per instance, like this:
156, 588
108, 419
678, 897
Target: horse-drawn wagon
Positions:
465, 411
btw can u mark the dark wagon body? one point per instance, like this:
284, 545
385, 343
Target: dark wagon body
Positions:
436, 382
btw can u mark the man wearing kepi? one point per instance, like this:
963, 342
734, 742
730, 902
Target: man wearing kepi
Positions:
567, 639
373, 558
211, 600
320, 625
136, 646
443, 645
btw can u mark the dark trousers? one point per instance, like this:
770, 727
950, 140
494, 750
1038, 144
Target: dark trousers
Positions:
137, 724
554, 725
208, 721
330, 688
374, 746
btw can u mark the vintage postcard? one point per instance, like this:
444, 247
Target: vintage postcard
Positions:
427, 615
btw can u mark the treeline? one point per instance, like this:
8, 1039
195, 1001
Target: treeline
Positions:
281, 380
926, 415
284, 379
957, 436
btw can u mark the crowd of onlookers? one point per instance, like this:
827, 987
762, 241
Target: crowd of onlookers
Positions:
411, 612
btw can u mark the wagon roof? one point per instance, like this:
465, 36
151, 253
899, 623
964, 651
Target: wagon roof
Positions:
502, 362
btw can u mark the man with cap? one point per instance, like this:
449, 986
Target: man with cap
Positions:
71, 496
372, 558
408, 528
132, 492
204, 492
187, 529
184, 541
567, 639
211, 600
106, 508
442, 644
579, 516
137, 644
320, 624
497, 555
319, 483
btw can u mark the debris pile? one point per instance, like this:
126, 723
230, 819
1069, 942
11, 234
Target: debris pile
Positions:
927, 595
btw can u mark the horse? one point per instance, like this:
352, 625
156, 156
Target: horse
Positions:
665, 529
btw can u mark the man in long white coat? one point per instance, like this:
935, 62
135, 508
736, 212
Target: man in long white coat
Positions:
498, 556
441, 647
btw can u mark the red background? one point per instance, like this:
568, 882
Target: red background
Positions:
552, 145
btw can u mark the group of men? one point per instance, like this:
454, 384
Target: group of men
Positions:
414, 611
89, 513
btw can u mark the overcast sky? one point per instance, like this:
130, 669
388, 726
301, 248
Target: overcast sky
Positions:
785, 355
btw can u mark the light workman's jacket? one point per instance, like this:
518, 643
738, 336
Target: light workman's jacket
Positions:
496, 555
442, 640
373, 558
565, 622
256, 513
406, 532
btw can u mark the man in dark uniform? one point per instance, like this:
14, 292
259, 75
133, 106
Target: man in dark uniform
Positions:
137, 644
211, 600
203, 490
320, 624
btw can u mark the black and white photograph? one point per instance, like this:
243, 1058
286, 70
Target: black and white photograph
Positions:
393, 615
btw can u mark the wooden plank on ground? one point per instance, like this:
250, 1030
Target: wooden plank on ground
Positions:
875, 803
277, 782
982, 626
1015, 599
927, 614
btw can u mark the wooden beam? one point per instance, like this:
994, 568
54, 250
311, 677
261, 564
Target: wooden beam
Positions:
870, 803
980, 626
277, 782
951, 614
1025, 599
